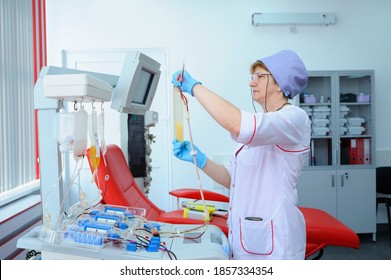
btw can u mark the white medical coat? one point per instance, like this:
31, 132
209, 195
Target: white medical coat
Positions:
264, 221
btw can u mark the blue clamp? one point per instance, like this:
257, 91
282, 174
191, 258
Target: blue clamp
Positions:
150, 225
131, 246
154, 244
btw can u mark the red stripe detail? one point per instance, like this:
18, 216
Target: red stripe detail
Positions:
39, 48
292, 151
34, 19
251, 139
19, 213
20, 233
238, 151
255, 128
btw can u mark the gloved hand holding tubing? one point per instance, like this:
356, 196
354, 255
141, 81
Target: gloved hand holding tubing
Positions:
185, 83
183, 151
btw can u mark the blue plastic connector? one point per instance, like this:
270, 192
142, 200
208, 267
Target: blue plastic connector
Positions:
96, 227
122, 225
105, 218
150, 225
154, 244
131, 246
89, 239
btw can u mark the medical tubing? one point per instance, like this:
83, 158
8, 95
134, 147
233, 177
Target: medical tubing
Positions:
194, 154
75, 173
45, 218
101, 129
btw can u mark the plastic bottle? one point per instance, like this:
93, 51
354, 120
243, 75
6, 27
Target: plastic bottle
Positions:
178, 114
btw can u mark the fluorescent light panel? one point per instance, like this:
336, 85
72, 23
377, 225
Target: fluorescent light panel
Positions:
259, 19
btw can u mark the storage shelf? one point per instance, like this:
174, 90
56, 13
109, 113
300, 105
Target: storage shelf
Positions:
340, 174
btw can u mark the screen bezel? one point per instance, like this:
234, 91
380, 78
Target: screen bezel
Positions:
126, 89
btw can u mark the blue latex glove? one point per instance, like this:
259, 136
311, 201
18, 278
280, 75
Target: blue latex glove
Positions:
182, 150
186, 84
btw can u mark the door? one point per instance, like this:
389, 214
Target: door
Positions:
356, 198
317, 189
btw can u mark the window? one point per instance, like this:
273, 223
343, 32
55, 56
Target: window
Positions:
17, 77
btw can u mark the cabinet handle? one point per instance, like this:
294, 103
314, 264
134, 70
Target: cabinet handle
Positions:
342, 180
332, 181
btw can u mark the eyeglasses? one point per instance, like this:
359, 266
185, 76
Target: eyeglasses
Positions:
256, 76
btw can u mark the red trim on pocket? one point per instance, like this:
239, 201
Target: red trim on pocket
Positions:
252, 253
292, 151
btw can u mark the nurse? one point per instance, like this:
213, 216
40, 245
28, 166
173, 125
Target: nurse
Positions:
273, 145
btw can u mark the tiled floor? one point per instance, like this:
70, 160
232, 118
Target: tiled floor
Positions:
369, 250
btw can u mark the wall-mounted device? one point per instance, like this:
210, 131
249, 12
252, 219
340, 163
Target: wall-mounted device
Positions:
259, 19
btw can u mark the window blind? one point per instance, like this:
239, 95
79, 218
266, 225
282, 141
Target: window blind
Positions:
17, 133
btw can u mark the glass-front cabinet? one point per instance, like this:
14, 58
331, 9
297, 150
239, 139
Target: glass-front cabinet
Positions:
340, 176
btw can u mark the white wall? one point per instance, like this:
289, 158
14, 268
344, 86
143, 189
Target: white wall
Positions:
216, 40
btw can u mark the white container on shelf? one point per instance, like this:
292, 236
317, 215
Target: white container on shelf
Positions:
320, 131
355, 130
320, 122
321, 115
322, 108
355, 121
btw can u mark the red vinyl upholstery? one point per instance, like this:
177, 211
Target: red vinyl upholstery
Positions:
120, 188
325, 230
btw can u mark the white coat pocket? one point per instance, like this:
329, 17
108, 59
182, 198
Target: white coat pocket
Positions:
256, 235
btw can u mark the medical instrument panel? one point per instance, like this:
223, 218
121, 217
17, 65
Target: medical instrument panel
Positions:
76, 87
116, 232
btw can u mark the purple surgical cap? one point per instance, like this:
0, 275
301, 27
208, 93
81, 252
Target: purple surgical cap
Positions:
288, 70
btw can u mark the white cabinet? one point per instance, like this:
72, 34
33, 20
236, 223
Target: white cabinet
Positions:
340, 175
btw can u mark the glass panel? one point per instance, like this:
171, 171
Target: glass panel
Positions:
316, 100
320, 153
318, 90
355, 119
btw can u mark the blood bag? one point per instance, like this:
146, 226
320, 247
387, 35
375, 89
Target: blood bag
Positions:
65, 126
178, 114
81, 133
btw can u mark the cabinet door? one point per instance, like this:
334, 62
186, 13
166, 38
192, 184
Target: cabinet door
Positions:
317, 189
356, 197
355, 119
317, 101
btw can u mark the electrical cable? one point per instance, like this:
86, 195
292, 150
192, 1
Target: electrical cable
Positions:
267, 85
252, 99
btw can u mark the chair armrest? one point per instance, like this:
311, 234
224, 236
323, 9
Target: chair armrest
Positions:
195, 194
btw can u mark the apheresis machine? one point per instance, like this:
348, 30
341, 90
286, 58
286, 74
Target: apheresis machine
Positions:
89, 229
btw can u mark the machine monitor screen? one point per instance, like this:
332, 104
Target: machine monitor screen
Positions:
136, 85
143, 86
